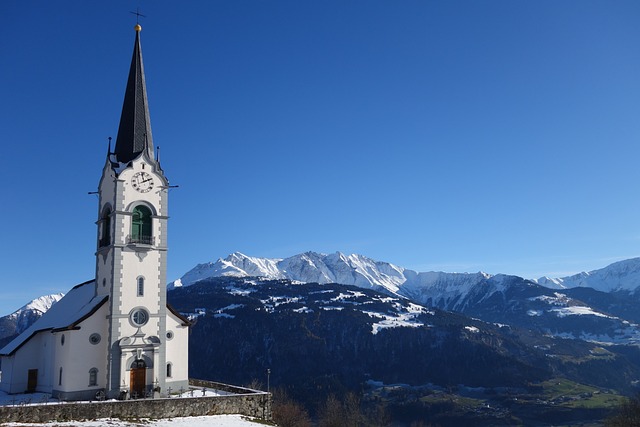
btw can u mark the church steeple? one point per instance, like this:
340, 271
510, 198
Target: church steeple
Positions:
134, 133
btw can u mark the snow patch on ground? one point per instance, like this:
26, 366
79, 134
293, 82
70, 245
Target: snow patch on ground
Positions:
328, 291
351, 294
225, 315
577, 311
221, 312
406, 320
557, 299
279, 300
198, 312
237, 291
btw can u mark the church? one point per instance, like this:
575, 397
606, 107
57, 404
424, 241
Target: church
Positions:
114, 336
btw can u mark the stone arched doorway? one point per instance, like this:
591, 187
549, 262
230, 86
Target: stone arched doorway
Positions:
138, 378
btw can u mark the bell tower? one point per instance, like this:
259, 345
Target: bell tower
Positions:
131, 255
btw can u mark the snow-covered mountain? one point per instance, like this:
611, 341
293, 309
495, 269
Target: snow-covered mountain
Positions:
581, 313
35, 308
307, 267
361, 271
16, 322
449, 291
501, 298
622, 275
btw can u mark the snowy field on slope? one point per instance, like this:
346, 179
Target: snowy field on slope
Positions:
205, 421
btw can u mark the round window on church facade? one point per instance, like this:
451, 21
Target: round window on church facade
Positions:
94, 339
139, 317
169, 335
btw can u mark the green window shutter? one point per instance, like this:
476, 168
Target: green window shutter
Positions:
141, 231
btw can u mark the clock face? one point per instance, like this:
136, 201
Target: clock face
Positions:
142, 181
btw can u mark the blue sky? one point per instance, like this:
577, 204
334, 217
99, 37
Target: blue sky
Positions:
500, 136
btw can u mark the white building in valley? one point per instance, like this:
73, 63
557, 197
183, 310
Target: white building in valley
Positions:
114, 334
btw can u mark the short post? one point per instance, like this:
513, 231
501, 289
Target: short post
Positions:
268, 375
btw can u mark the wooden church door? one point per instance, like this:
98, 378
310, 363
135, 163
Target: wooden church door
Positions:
138, 379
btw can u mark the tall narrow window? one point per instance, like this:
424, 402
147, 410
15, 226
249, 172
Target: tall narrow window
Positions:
141, 226
60, 377
105, 232
93, 377
140, 286
169, 366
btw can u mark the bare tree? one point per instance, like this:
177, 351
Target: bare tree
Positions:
378, 416
628, 414
288, 413
331, 413
353, 414
345, 413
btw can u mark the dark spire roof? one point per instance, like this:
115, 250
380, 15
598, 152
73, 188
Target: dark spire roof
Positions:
134, 133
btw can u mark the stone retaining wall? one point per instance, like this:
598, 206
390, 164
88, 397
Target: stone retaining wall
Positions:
248, 402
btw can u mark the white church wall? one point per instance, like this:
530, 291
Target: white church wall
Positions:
105, 187
147, 268
7, 373
177, 352
34, 354
45, 381
85, 349
61, 344
103, 274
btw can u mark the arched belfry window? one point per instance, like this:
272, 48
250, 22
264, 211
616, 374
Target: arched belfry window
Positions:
105, 228
141, 225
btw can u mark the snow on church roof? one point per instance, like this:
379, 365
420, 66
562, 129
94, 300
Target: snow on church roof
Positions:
73, 308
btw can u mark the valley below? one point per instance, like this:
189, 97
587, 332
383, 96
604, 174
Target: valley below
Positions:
411, 362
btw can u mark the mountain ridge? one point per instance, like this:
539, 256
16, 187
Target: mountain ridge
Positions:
445, 290
354, 269
15, 323
619, 276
